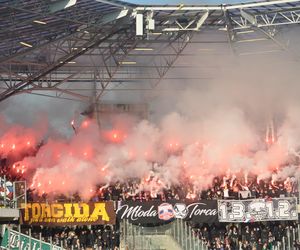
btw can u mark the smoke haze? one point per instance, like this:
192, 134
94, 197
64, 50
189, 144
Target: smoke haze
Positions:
212, 129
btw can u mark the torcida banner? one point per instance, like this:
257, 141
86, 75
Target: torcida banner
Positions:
160, 212
56, 214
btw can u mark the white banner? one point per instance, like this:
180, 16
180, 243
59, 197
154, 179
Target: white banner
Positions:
257, 210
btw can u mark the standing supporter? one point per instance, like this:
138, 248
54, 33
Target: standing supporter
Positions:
90, 239
70, 238
264, 235
226, 191
56, 240
205, 234
76, 243
259, 244
246, 234
271, 239
106, 238
227, 244
252, 238
62, 239
234, 237
83, 239
99, 242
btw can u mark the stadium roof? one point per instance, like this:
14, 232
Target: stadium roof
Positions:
84, 48
190, 2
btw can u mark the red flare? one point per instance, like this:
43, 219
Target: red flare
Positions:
85, 124
173, 145
115, 136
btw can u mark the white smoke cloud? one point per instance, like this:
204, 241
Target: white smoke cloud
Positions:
210, 131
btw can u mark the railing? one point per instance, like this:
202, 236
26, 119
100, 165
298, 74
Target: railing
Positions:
185, 236
139, 238
291, 236
143, 238
146, 238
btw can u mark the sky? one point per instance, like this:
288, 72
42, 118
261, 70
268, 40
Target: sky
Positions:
187, 1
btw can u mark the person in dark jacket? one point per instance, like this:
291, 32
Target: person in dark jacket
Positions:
83, 239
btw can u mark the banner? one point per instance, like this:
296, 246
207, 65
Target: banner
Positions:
69, 213
16, 241
257, 210
158, 212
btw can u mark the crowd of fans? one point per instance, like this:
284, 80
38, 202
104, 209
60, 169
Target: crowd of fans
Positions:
217, 236
224, 187
254, 236
152, 188
79, 237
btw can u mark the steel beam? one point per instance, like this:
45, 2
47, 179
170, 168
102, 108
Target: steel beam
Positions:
111, 72
86, 47
113, 3
181, 40
106, 19
193, 25
267, 19
214, 7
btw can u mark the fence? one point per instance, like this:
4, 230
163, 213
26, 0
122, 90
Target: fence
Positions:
176, 234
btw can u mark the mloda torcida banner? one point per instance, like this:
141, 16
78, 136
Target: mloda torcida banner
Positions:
159, 212
55, 214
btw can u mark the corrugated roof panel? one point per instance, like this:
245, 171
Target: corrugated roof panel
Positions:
16, 20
